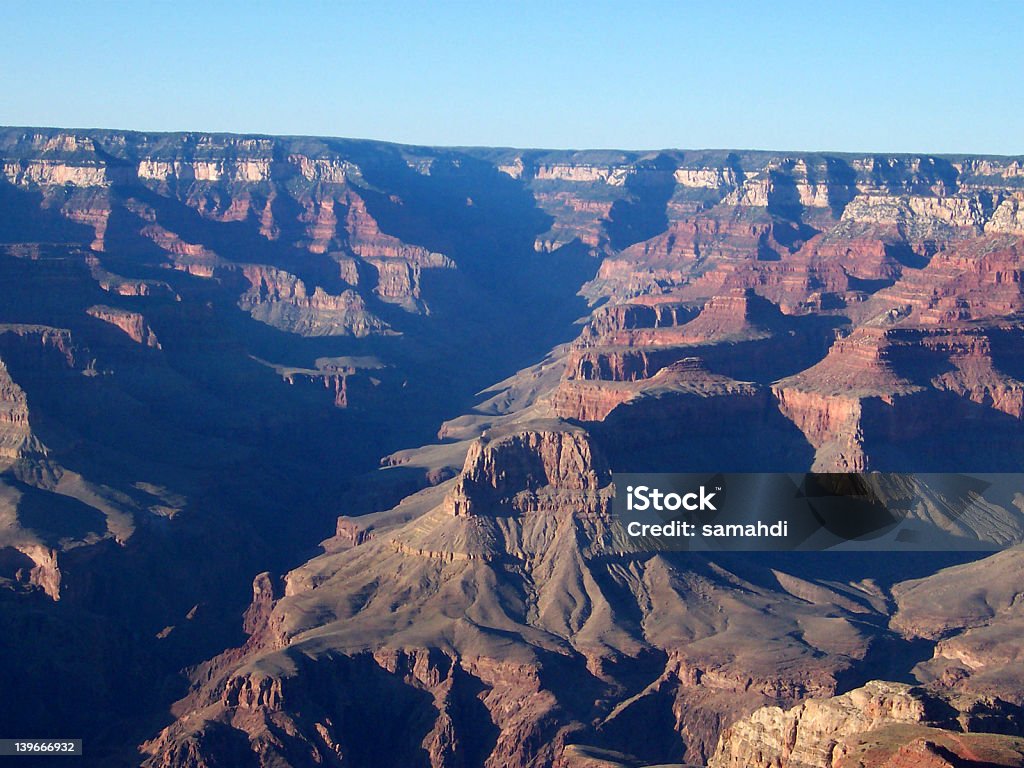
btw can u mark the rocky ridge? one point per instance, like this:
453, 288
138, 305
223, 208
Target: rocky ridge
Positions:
512, 581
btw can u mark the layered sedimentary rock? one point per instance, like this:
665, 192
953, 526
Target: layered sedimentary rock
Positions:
212, 339
239, 182
46, 508
881, 724
812, 733
352, 380
17, 436
508, 587
881, 381
399, 265
131, 323
283, 301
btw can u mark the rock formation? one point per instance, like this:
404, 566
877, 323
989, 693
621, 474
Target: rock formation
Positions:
210, 341
881, 724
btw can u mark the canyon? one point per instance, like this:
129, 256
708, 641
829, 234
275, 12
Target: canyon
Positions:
217, 351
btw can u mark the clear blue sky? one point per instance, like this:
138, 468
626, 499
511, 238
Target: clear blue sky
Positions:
859, 76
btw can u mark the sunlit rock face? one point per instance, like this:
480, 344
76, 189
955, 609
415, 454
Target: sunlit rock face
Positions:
209, 344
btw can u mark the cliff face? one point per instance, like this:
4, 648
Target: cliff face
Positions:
518, 616
213, 339
138, 258
862, 293
881, 724
204, 340
812, 733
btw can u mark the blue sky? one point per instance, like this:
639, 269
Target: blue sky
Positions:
860, 76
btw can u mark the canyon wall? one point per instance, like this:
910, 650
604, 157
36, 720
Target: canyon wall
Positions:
210, 343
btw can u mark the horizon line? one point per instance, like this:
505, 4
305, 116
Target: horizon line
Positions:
507, 147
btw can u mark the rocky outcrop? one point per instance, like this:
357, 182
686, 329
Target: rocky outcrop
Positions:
16, 436
249, 170
498, 468
617, 364
881, 381
611, 175
814, 734
588, 401
881, 725
399, 265
832, 424
734, 316
48, 510
614, 323
503, 591
55, 173
123, 286
282, 300
132, 323
351, 381
1008, 216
